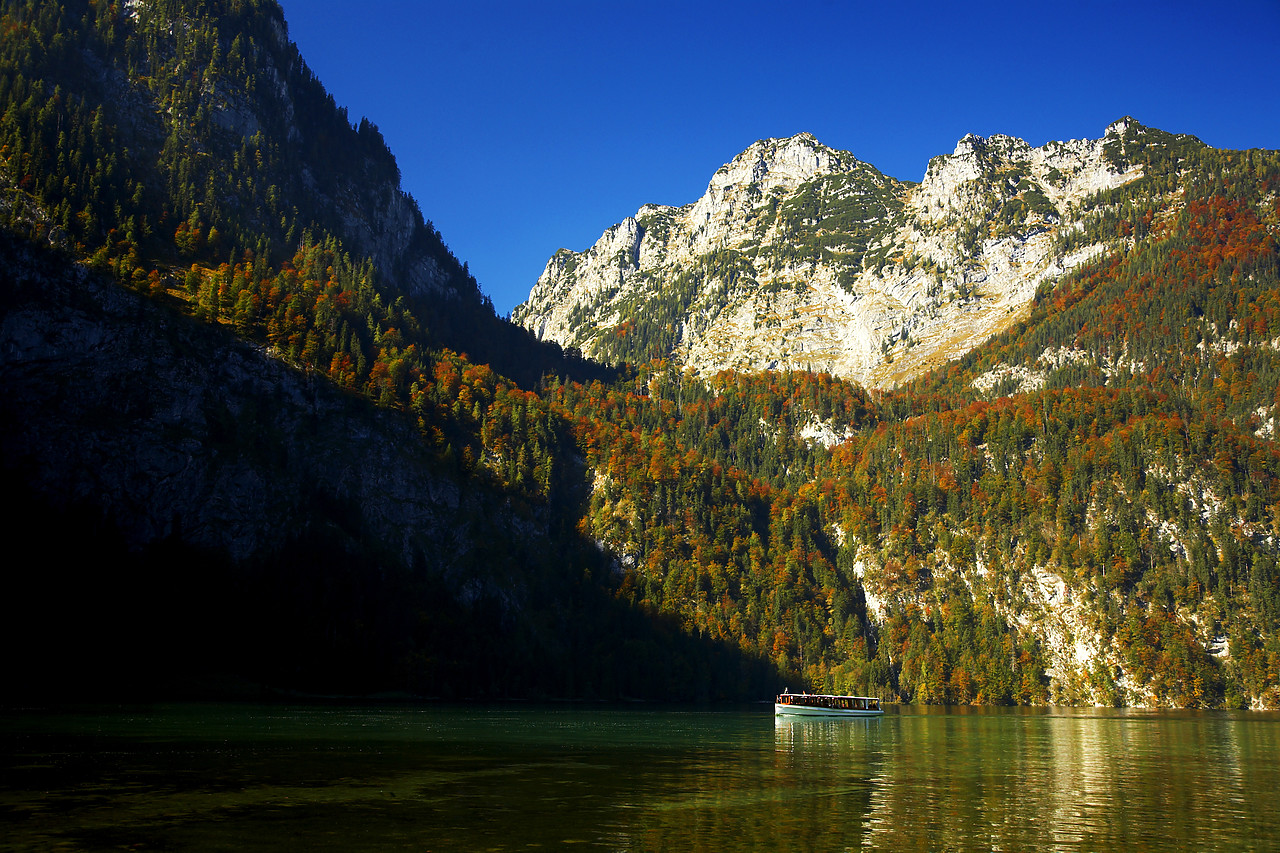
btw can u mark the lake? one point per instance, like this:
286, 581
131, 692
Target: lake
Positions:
514, 777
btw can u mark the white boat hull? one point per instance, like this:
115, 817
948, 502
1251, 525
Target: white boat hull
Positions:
805, 711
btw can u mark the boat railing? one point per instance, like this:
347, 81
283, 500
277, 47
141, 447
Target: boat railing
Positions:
822, 700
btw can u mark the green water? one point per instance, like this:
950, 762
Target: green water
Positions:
239, 777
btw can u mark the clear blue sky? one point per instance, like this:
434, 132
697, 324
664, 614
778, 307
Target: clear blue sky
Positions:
524, 127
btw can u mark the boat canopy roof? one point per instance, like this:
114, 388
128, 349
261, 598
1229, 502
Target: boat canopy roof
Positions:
824, 696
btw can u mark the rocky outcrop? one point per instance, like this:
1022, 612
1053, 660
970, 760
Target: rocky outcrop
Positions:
801, 256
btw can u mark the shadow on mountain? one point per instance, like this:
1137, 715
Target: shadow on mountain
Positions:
93, 617
205, 521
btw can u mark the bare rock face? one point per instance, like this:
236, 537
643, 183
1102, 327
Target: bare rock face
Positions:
799, 256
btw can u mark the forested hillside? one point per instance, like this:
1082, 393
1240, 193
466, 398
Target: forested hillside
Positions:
233, 363
1136, 458
186, 148
1083, 510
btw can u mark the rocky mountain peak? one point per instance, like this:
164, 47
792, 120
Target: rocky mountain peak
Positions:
1121, 126
801, 256
988, 147
771, 164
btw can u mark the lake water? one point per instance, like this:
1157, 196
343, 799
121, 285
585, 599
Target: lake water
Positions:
245, 777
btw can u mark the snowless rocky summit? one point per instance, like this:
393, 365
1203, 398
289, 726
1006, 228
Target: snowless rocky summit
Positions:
799, 256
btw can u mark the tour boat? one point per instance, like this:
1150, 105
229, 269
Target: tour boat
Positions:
822, 705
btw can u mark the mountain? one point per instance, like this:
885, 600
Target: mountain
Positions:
799, 256
194, 133
247, 452
233, 408
1086, 479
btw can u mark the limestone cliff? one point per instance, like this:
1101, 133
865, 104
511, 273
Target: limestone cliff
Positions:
801, 256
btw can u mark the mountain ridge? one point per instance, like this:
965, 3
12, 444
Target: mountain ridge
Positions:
842, 286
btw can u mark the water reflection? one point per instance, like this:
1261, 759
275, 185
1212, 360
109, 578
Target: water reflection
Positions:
1074, 781
506, 778
801, 734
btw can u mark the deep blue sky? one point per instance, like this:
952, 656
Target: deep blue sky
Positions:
521, 128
